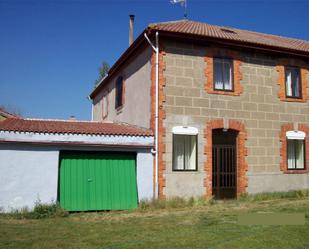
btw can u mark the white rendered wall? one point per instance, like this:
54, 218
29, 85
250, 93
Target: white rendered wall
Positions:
26, 174
144, 171
30, 172
136, 108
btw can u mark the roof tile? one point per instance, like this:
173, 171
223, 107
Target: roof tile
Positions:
72, 127
233, 34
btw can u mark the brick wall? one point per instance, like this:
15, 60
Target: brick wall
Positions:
257, 107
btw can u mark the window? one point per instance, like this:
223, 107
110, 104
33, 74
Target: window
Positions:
296, 154
105, 106
119, 92
295, 150
223, 74
292, 82
184, 148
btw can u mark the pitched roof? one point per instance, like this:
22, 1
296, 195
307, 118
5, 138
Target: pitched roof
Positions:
72, 127
207, 30
230, 36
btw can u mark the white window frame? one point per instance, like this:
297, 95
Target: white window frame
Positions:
292, 137
223, 62
190, 132
290, 84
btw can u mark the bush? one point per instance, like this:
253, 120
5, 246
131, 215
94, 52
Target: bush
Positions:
40, 211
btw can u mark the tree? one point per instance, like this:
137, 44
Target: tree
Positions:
103, 71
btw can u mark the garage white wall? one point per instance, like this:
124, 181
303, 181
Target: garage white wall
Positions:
29, 172
26, 174
144, 165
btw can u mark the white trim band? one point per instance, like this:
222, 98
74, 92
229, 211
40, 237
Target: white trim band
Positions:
296, 135
183, 130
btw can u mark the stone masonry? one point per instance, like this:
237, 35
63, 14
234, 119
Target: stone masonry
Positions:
258, 107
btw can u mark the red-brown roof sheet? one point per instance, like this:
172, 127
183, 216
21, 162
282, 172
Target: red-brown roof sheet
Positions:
72, 127
207, 30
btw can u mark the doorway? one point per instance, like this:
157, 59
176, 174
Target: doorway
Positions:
224, 163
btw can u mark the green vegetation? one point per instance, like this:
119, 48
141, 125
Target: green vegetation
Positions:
40, 211
174, 223
275, 195
103, 71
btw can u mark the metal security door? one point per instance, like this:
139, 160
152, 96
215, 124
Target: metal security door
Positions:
224, 171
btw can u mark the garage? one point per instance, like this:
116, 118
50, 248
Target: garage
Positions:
82, 165
97, 181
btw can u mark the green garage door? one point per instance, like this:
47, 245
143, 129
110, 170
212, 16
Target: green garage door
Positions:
97, 181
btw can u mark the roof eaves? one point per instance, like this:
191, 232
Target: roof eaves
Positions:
85, 134
244, 44
73, 127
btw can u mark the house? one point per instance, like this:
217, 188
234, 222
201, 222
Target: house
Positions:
84, 165
231, 114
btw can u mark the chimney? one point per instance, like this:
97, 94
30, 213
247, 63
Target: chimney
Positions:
131, 30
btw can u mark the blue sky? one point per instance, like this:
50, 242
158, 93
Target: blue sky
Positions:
50, 50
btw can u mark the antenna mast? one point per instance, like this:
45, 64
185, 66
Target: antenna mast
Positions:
183, 3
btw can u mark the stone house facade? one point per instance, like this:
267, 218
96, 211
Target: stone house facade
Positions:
233, 108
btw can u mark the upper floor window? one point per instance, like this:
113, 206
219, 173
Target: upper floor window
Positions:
184, 148
119, 92
104, 106
223, 74
295, 150
292, 82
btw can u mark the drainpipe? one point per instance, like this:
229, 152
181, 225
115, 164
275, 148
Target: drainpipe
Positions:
156, 50
91, 111
88, 97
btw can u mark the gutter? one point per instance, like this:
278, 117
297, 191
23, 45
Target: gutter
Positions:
156, 50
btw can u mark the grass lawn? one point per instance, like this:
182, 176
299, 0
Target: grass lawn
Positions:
200, 226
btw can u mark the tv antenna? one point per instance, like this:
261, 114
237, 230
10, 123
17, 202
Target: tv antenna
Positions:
183, 3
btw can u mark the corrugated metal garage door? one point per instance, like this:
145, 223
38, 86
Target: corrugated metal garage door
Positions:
97, 181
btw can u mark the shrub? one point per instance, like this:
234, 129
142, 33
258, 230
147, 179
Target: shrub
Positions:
40, 211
